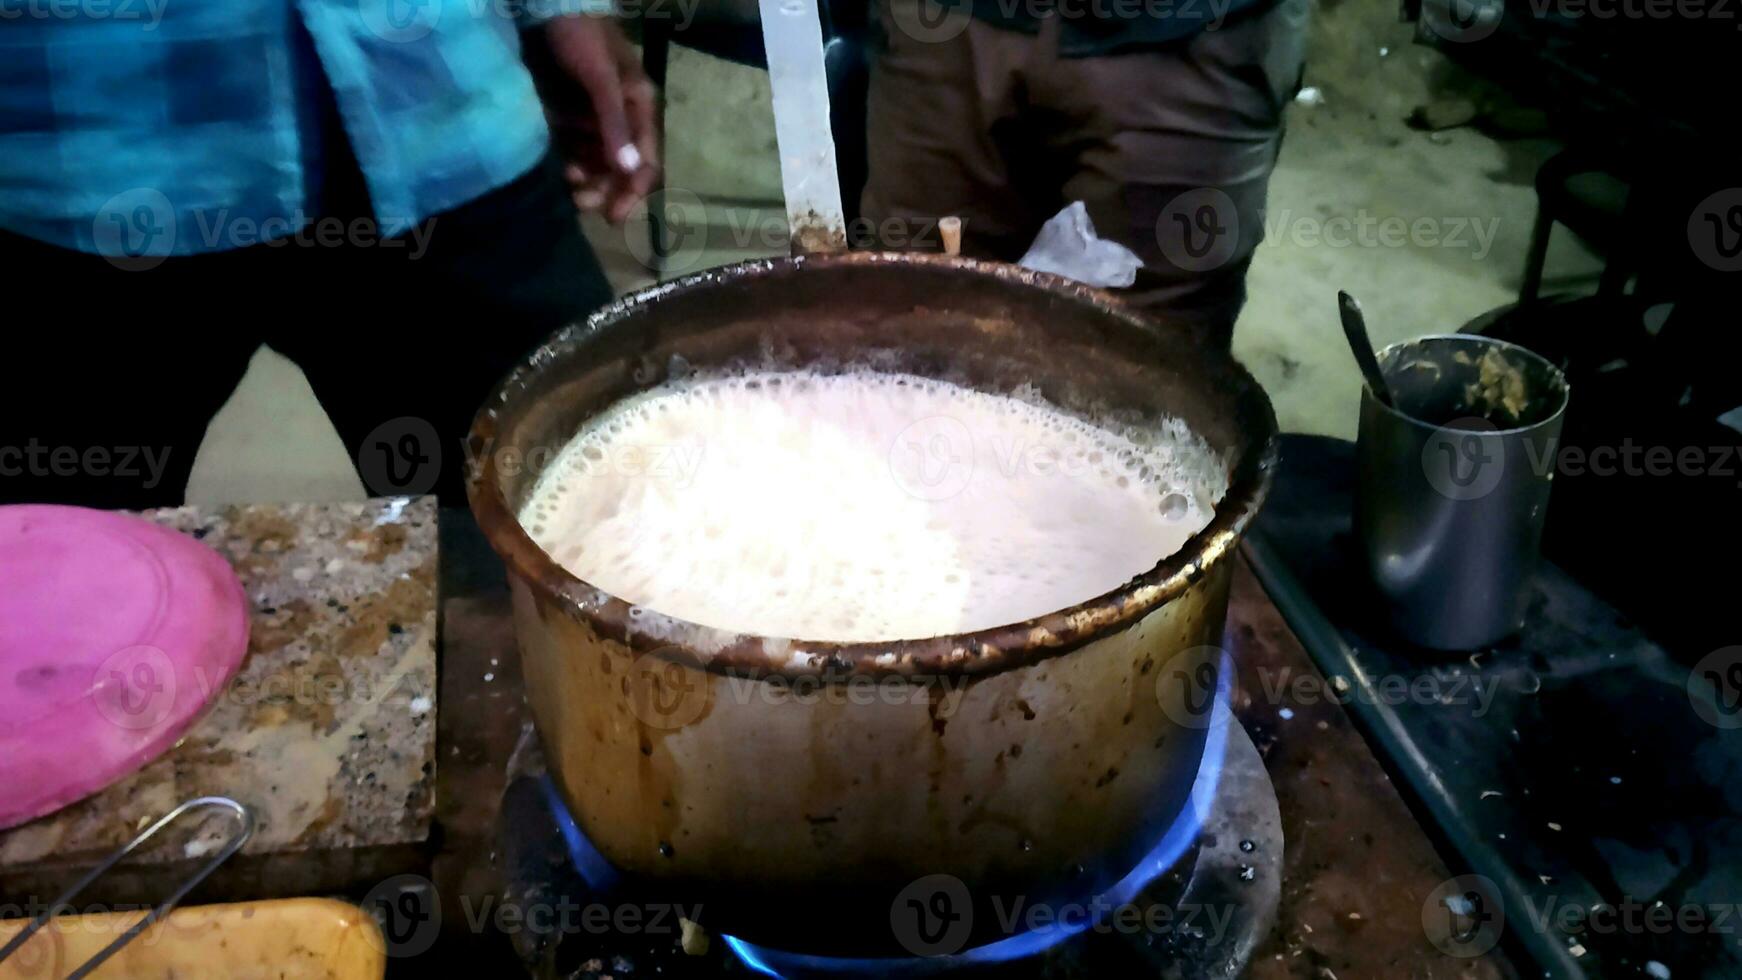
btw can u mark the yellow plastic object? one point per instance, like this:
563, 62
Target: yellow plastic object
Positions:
289, 939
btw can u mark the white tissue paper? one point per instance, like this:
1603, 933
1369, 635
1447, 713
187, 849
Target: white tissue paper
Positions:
1067, 246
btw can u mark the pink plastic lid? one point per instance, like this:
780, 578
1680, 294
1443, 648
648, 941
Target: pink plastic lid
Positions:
114, 635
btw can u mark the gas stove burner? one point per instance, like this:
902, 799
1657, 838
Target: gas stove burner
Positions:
1216, 870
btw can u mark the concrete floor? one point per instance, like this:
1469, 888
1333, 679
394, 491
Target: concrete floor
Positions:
1349, 156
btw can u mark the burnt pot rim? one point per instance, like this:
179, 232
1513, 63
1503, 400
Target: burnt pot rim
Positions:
979, 652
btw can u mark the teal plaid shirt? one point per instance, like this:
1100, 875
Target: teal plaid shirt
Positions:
173, 127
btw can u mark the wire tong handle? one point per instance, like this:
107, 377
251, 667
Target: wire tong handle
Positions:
244, 830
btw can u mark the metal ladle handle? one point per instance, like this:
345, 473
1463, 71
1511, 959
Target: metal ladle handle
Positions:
792, 37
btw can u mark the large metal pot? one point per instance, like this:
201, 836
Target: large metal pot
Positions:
1039, 759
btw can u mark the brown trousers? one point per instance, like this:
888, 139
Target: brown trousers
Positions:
1169, 148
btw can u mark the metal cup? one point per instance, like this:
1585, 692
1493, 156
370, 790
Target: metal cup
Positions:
1453, 484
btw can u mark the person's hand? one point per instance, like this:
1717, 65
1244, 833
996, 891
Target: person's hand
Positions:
602, 111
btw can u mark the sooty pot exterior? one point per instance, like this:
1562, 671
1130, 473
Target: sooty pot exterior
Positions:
794, 787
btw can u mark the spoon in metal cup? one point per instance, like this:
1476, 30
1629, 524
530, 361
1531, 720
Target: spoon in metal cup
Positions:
1355, 328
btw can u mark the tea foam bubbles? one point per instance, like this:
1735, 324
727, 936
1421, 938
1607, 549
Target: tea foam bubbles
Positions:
863, 506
